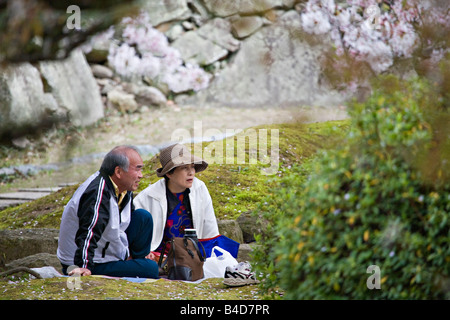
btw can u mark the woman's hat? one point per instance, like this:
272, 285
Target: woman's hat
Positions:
178, 155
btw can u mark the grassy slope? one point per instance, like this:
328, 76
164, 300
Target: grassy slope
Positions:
235, 188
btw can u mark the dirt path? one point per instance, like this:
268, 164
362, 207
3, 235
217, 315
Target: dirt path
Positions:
151, 127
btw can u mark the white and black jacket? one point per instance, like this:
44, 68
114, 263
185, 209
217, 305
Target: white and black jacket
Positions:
92, 226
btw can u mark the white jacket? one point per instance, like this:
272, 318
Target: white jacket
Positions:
153, 199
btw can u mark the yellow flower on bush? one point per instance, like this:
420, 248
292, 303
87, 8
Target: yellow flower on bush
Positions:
366, 235
351, 220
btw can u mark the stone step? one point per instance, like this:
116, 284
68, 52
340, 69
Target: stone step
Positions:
48, 190
10, 203
23, 195
10, 199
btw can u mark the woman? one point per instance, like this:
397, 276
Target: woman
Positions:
179, 201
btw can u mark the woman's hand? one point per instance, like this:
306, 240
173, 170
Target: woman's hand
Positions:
80, 271
151, 256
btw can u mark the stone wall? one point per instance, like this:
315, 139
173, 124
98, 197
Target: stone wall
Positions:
255, 49
33, 96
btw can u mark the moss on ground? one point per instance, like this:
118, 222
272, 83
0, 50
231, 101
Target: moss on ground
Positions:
99, 288
44, 212
235, 187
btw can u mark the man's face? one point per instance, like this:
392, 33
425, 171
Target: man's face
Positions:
129, 180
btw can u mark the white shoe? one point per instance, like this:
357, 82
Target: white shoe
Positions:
239, 275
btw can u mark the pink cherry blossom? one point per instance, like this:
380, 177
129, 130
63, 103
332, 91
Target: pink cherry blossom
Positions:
144, 51
374, 31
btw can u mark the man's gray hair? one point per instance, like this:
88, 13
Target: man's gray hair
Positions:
118, 156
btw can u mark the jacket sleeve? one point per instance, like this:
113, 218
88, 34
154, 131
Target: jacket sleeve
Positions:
139, 201
132, 202
210, 227
93, 214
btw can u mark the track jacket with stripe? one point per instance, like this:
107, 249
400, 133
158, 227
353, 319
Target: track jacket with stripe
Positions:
92, 225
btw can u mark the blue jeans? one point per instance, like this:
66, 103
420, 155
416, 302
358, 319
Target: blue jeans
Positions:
139, 233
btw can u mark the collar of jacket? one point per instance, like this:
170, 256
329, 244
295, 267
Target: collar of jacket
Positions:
111, 189
172, 200
157, 191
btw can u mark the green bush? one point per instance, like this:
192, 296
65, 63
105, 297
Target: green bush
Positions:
365, 204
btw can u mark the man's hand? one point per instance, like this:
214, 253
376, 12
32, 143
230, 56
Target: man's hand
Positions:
80, 271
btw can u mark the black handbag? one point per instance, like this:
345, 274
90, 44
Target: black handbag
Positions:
184, 260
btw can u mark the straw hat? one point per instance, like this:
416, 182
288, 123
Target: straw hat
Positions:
178, 155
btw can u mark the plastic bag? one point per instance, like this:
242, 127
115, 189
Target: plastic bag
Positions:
47, 272
220, 241
214, 266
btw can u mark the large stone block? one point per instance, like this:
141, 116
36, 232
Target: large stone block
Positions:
72, 84
24, 104
223, 8
251, 226
20, 243
198, 50
32, 97
230, 229
167, 10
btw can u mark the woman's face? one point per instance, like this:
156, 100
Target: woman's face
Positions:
182, 178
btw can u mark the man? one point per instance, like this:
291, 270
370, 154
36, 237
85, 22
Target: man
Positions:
100, 232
